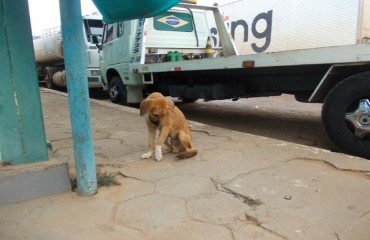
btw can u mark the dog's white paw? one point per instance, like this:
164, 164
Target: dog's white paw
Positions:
147, 155
158, 153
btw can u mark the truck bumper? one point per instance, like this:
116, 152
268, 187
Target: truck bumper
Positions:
94, 82
93, 78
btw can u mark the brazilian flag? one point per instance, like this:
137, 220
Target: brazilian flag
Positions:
173, 21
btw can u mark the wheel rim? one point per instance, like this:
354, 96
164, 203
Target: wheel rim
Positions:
114, 92
360, 119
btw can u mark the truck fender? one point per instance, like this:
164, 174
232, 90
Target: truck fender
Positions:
334, 75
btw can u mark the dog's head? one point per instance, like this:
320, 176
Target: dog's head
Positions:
156, 106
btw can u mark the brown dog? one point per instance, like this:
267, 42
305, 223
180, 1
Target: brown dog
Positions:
162, 114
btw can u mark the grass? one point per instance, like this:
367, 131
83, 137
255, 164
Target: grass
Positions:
103, 180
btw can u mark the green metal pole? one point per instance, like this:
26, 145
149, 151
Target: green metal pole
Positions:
78, 95
22, 133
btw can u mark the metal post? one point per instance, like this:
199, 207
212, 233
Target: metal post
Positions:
78, 95
22, 133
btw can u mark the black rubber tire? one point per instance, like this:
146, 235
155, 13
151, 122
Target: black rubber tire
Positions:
342, 99
117, 91
49, 80
189, 100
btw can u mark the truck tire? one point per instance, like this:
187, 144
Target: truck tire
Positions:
49, 80
189, 100
117, 91
346, 115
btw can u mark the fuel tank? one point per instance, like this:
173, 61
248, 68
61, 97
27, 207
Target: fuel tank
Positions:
48, 47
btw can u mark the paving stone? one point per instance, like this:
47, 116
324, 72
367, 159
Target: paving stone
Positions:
184, 186
248, 231
51, 216
224, 165
313, 191
98, 232
190, 231
61, 144
288, 224
108, 232
358, 230
129, 189
216, 208
151, 211
58, 213
116, 150
149, 170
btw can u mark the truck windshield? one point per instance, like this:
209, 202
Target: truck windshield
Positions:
93, 27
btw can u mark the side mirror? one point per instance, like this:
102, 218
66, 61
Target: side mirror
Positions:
99, 46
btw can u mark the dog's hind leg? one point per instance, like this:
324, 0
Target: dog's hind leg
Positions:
169, 147
176, 145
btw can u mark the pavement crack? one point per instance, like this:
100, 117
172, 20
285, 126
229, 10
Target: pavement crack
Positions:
364, 214
127, 176
245, 199
255, 222
252, 220
112, 218
337, 236
211, 135
359, 173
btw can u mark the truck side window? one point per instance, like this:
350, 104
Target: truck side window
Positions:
108, 33
120, 28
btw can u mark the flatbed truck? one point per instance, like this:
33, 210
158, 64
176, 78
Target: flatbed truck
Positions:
170, 53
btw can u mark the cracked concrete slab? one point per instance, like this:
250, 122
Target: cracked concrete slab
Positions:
191, 230
242, 231
216, 208
312, 191
184, 186
151, 211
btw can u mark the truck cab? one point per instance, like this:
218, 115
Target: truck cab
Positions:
49, 54
178, 34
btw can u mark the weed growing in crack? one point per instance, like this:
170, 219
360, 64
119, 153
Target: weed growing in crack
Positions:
103, 180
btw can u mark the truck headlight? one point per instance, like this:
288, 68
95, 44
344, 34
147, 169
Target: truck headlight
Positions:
95, 72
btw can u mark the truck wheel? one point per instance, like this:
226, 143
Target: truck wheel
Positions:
117, 91
346, 115
49, 80
189, 100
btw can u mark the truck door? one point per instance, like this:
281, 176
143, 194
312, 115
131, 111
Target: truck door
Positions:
105, 53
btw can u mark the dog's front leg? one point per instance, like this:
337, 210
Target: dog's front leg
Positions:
151, 139
161, 140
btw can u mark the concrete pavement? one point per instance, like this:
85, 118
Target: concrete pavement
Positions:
239, 186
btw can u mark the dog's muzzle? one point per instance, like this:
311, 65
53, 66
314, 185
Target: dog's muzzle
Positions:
154, 121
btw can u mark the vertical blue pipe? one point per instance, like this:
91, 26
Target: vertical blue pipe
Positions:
78, 95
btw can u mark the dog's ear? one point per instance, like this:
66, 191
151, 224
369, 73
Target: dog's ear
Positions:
145, 106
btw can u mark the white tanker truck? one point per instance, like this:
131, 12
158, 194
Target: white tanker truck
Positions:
49, 53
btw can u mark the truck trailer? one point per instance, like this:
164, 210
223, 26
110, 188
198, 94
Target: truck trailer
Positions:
176, 53
280, 25
49, 55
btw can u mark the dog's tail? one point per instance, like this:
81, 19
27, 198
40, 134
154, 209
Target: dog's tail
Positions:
188, 154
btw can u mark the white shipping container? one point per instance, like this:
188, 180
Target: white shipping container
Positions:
280, 25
